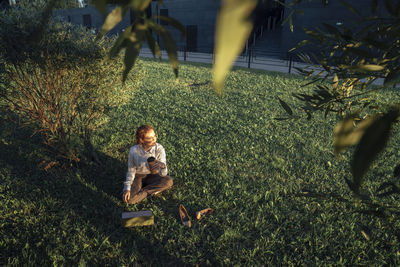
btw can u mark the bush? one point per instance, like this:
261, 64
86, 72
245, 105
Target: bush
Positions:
62, 84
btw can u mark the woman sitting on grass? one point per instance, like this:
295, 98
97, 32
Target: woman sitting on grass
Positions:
141, 180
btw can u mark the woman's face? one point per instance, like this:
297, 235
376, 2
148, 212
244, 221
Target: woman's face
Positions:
149, 139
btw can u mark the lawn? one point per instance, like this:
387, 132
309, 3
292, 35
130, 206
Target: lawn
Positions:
224, 152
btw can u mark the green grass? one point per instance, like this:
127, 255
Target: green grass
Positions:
227, 153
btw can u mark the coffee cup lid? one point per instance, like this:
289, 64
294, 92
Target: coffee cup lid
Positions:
151, 159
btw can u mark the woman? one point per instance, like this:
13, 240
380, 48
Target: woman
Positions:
140, 182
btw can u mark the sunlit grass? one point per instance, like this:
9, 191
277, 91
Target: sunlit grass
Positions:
227, 153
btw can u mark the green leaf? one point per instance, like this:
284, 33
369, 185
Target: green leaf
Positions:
350, 184
295, 2
372, 142
288, 17
324, 88
351, 8
345, 134
153, 45
282, 3
131, 54
324, 93
119, 43
300, 44
305, 58
286, 107
317, 36
139, 5
332, 30
291, 24
232, 30
335, 81
303, 71
169, 45
113, 19
176, 24
101, 6
302, 97
368, 67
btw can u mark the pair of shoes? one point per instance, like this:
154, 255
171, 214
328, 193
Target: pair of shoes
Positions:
185, 216
138, 197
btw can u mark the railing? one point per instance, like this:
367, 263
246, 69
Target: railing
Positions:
269, 23
252, 59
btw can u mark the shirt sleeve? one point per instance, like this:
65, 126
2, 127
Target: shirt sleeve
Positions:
162, 157
130, 175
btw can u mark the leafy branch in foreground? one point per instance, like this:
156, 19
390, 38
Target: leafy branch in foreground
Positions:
232, 31
351, 61
139, 31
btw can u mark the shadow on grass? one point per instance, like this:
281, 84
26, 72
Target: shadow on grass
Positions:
81, 197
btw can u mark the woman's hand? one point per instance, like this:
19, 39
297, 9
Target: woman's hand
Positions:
126, 196
157, 165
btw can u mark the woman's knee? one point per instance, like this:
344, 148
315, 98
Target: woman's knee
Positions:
169, 182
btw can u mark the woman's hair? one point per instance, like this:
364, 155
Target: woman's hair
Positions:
141, 131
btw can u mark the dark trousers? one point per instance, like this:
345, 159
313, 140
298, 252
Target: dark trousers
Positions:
145, 185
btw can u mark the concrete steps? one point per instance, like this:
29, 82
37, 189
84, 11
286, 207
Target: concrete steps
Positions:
269, 44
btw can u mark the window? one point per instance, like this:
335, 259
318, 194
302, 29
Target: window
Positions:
191, 38
87, 21
163, 12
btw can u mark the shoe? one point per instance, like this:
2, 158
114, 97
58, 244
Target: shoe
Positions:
200, 213
184, 216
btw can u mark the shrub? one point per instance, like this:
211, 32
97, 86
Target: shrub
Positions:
62, 84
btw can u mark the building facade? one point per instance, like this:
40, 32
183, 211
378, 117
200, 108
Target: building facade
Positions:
199, 19
316, 13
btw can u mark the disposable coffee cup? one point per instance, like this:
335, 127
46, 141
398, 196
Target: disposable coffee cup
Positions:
151, 162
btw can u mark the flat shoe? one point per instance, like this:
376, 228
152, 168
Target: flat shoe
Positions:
184, 216
200, 213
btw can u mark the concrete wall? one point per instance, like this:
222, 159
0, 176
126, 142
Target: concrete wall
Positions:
193, 12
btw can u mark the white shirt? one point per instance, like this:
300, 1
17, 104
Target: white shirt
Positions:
137, 162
